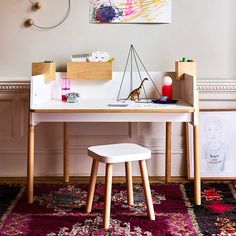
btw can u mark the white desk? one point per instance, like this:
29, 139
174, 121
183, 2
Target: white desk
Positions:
98, 110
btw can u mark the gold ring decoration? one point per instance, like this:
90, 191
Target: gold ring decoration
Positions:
36, 6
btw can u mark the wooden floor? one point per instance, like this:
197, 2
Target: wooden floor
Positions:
85, 180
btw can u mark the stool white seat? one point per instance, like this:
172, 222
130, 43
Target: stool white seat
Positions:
117, 153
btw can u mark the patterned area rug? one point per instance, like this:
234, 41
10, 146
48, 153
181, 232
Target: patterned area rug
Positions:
8, 194
60, 210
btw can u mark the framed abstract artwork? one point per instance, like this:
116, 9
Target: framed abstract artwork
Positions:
130, 11
217, 145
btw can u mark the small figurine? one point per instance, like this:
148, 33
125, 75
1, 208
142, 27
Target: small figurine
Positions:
134, 95
167, 87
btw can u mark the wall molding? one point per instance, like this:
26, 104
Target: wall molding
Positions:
203, 85
14, 86
216, 86
75, 150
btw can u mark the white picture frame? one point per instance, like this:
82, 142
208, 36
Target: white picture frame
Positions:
217, 145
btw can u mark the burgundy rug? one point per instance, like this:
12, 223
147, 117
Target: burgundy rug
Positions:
60, 210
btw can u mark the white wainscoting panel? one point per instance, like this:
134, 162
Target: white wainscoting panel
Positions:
214, 94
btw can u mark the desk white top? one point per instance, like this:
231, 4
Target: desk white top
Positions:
111, 106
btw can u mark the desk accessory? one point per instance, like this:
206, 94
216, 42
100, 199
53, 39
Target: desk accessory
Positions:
164, 98
80, 57
173, 101
65, 88
89, 70
135, 93
48, 68
185, 67
99, 57
72, 97
167, 87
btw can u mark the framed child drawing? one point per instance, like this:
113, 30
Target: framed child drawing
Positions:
217, 146
130, 11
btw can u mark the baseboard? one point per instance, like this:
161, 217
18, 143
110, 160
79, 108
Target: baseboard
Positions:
85, 179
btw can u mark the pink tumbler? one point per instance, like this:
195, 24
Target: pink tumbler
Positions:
65, 88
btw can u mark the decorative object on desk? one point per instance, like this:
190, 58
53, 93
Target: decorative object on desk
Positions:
184, 59
65, 88
89, 70
134, 55
134, 95
80, 57
99, 57
72, 97
167, 87
164, 98
130, 11
48, 68
37, 5
185, 66
163, 101
217, 146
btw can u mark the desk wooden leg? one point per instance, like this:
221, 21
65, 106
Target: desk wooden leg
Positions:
168, 152
128, 171
30, 165
66, 152
197, 178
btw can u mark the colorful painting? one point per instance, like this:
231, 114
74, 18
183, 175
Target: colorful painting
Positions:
130, 11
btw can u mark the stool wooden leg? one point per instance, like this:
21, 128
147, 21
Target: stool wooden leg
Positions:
168, 152
108, 183
147, 190
92, 184
128, 171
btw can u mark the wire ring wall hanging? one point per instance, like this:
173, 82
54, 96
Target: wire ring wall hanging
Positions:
30, 22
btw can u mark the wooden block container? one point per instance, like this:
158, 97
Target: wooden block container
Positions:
89, 70
182, 68
46, 68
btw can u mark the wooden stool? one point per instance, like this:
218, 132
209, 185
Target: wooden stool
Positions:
116, 153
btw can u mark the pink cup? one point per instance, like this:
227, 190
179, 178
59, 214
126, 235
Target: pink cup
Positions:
65, 88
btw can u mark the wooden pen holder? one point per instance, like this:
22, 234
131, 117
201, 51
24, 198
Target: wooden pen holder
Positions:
182, 68
89, 70
46, 68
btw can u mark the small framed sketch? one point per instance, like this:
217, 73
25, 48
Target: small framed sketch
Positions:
217, 146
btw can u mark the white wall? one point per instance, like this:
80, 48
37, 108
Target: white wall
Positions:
202, 29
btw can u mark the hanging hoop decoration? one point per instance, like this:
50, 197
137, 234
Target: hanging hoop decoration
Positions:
37, 5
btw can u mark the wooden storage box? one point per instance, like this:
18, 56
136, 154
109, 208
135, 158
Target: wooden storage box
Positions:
46, 68
89, 70
182, 68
